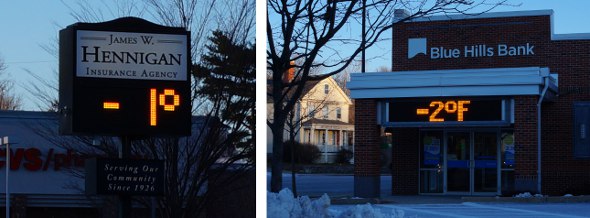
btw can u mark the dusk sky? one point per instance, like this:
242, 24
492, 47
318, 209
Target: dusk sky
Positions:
29, 25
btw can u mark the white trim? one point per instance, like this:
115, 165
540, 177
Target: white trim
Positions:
485, 15
463, 82
570, 36
549, 12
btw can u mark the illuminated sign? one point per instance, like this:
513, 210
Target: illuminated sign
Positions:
125, 77
33, 159
450, 107
445, 110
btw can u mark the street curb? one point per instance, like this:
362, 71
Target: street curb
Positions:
560, 199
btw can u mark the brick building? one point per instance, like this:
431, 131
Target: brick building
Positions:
493, 104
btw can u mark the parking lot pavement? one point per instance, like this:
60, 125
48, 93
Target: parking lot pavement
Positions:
471, 210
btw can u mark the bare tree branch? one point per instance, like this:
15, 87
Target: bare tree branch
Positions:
308, 32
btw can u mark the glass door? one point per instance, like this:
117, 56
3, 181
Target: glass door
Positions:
485, 158
472, 162
458, 162
431, 156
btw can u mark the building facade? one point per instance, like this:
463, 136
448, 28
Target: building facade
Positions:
321, 117
47, 172
493, 104
324, 116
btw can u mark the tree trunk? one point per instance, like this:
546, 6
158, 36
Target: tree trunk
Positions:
276, 177
293, 182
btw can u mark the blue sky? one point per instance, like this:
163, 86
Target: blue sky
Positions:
28, 25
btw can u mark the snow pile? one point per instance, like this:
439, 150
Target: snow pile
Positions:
568, 195
524, 195
528, 195
366, 211
285, 205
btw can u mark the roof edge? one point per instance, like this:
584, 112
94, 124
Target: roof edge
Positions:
529, 13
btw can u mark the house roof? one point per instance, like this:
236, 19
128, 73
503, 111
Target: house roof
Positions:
309, 85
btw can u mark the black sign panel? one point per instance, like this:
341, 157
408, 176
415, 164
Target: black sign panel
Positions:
125, 77
440, 110
124, 177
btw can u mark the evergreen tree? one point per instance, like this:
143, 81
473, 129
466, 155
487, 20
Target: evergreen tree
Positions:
228, 80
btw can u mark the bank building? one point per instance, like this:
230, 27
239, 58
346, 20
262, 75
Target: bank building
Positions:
490, 104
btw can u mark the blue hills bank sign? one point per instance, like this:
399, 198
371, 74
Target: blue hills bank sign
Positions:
125, 77
420, 46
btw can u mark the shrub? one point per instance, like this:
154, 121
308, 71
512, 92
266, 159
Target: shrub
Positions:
304, 153
344, 156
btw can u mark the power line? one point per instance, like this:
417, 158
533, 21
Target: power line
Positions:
29, 62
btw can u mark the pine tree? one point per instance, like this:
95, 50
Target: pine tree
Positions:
228, 77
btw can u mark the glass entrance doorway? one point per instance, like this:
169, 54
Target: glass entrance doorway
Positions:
459, 162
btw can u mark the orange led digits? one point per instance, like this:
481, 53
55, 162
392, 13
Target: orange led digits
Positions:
438, 109
461, 108
153, 115
175, 101
450, 107
156, 100
110, 105
422, 111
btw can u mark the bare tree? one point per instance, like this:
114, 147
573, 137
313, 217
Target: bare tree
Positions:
343, 77
196, 166
238, 24
383, 69
8, 100
295, 120
310, 33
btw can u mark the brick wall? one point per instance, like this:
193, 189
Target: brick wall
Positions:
525, 146
366, 138
561, 173
405, 161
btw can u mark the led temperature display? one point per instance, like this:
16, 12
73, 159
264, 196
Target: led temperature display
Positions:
125, 77
445, 110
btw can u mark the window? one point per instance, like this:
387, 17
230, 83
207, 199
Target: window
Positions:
311, 111
326, 89
325, 112
581, 125
338, 113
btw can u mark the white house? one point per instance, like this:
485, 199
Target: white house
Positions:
321, 118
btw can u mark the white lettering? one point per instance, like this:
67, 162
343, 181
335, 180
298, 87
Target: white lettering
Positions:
482, 50
520, 50
441, 52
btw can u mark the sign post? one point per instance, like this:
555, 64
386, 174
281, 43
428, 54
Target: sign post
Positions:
125, 205
5, 142
130, 78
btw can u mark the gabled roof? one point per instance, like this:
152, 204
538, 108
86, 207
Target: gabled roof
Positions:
309, 85
332, 83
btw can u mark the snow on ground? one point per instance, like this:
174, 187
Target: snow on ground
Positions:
485, 210
528, 195
285, 205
